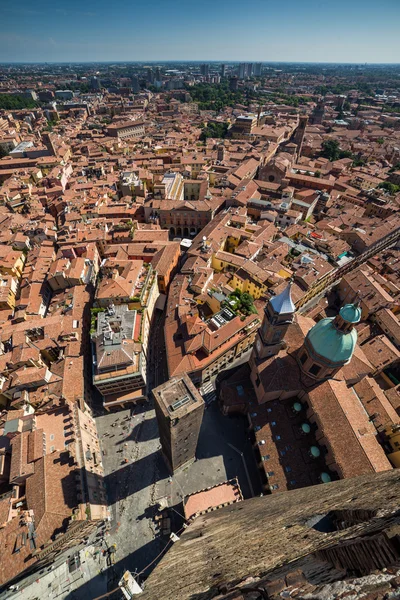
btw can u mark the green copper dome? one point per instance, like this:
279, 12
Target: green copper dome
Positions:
350, 313
330, 343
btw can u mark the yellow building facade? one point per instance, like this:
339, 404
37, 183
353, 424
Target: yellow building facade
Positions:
392, 433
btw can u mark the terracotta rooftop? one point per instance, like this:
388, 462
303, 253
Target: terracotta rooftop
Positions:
212, 498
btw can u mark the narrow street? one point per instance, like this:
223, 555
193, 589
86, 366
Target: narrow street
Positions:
133, 468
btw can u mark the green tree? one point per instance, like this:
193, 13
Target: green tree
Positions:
216, 96
331, 150
244, 302
15, 102
389, 187
246, 299
214, 130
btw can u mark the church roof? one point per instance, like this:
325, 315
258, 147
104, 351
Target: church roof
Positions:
283, 303
334, 345
350, 313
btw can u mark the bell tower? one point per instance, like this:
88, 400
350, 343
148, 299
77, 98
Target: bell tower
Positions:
299, 134
278, 315
221, 152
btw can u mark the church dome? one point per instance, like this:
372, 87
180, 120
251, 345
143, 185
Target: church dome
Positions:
350, 313
327, 341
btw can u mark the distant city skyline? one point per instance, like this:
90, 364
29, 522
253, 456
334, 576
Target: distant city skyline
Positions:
298, 31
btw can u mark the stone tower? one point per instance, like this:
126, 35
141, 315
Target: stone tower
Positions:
332, 541
318, 113
179, 411
278, 315
299, 134
221, 152
47, 140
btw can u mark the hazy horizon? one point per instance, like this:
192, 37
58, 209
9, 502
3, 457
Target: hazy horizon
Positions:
200, 61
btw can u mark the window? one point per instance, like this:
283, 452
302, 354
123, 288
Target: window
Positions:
288, 469
303, 358
51, 437
278, 437
270, 473
315, 369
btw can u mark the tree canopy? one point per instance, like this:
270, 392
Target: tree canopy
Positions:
244, 302
15, 102
214, 130
215, 97
389, 187
332, 151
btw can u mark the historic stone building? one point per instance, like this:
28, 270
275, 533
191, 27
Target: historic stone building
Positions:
179, 410
307, 421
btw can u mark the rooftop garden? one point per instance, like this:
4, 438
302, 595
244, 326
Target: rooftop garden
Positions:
242, 303
93, 319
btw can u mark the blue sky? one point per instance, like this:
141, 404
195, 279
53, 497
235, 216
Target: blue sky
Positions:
262, 30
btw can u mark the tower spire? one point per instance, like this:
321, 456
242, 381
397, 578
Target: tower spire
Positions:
279, 314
